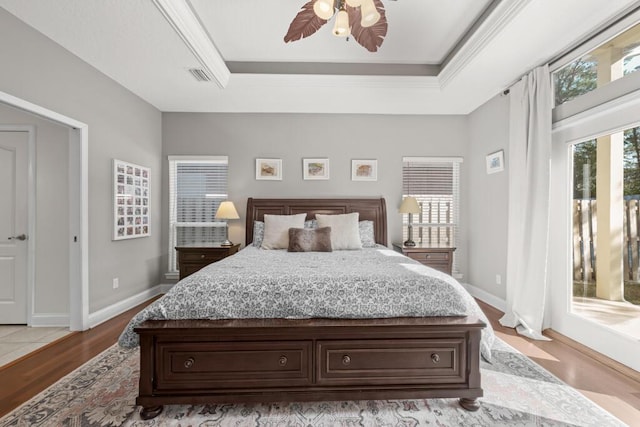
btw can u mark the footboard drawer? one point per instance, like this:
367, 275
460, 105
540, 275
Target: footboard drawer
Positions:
402, 361
233, 365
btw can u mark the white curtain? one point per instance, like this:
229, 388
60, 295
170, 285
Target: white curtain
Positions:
528, 238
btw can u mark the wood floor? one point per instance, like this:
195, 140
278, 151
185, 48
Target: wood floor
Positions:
610, 389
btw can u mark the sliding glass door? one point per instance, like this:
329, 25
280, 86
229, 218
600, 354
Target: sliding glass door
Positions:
605, 201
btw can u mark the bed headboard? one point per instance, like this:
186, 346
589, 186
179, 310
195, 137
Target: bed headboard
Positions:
370, 209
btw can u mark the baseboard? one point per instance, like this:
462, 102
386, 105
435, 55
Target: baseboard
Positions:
113, 310
486, 297
49, 320
605, 360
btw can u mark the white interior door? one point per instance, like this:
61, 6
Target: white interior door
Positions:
13, 227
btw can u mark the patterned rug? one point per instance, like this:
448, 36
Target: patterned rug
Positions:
518, 392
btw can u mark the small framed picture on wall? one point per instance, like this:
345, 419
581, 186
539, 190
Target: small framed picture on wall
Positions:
495, 162
315, 169
364, 170
269, 169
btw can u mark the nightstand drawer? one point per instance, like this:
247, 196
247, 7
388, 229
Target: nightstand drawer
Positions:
430, 257
438, 257
193, 258
207, 257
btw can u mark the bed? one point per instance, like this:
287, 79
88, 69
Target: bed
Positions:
270, 358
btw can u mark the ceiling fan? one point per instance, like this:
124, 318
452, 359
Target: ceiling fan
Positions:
364, 20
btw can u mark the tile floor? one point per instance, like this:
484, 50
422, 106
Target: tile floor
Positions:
18, 340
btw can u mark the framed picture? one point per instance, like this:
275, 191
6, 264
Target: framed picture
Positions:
131, 191
315, 168
364, 170
495, 162
269, 169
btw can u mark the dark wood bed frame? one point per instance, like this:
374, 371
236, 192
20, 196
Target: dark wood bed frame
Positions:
270, 360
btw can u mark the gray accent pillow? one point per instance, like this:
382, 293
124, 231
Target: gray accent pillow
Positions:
258, 233
310, 239
367, 236
258, 230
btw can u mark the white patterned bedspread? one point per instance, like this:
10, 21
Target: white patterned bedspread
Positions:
367, 283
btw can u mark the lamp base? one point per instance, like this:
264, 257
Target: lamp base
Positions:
410, 243
227, 243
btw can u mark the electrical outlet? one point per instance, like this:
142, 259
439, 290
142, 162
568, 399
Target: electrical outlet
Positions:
498, 279
116, 283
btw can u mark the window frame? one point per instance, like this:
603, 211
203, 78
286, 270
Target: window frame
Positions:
600, 95
173, 225
455, 162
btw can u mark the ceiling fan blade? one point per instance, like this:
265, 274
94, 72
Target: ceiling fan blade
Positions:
304, 24
371, 38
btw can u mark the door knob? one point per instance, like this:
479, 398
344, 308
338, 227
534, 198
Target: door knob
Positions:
20, 237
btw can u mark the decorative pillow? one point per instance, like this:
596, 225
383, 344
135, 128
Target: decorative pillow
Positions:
367, 236
258, 233
310, 239
276, 229
258, 230
344, 230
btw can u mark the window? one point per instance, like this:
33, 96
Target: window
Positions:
197, 186
435, 183
614, 234
610, 61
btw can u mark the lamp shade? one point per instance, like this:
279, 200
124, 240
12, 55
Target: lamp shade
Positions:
227, 211
370, 14
324, 9
409, 205
341, 28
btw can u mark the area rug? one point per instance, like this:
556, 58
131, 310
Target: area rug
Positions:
518, 392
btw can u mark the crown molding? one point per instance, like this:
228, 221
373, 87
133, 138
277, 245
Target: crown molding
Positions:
186, 24
495, 22
334, 81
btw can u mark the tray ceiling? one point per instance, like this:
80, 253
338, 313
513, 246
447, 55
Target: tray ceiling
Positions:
439, 57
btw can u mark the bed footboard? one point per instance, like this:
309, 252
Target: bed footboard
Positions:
267, 360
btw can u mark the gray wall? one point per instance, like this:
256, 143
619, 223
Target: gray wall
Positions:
292, 137
121, 125
52, 225
488, 197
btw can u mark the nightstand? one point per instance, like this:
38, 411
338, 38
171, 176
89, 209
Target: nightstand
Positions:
192, 258
438, 257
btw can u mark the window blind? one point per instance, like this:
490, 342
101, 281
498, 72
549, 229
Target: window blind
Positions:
435, 183
197, 186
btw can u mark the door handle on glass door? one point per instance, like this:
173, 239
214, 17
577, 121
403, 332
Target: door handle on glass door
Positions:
20, 237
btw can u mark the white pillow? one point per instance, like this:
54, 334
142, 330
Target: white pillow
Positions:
345, 233
276, 229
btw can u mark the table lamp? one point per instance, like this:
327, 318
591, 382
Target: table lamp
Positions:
227, 211
409, 206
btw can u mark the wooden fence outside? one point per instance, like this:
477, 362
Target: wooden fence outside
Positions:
585, 215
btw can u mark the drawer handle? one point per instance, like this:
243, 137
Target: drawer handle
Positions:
189, 362
435, 357
346, 360
202, 256
427, 256
282, 361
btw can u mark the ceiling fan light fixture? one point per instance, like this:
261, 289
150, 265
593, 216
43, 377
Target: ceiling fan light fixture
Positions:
324, 9
355, 3
341, 28
370, 14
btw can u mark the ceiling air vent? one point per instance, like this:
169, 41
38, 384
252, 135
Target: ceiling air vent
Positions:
200, 75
